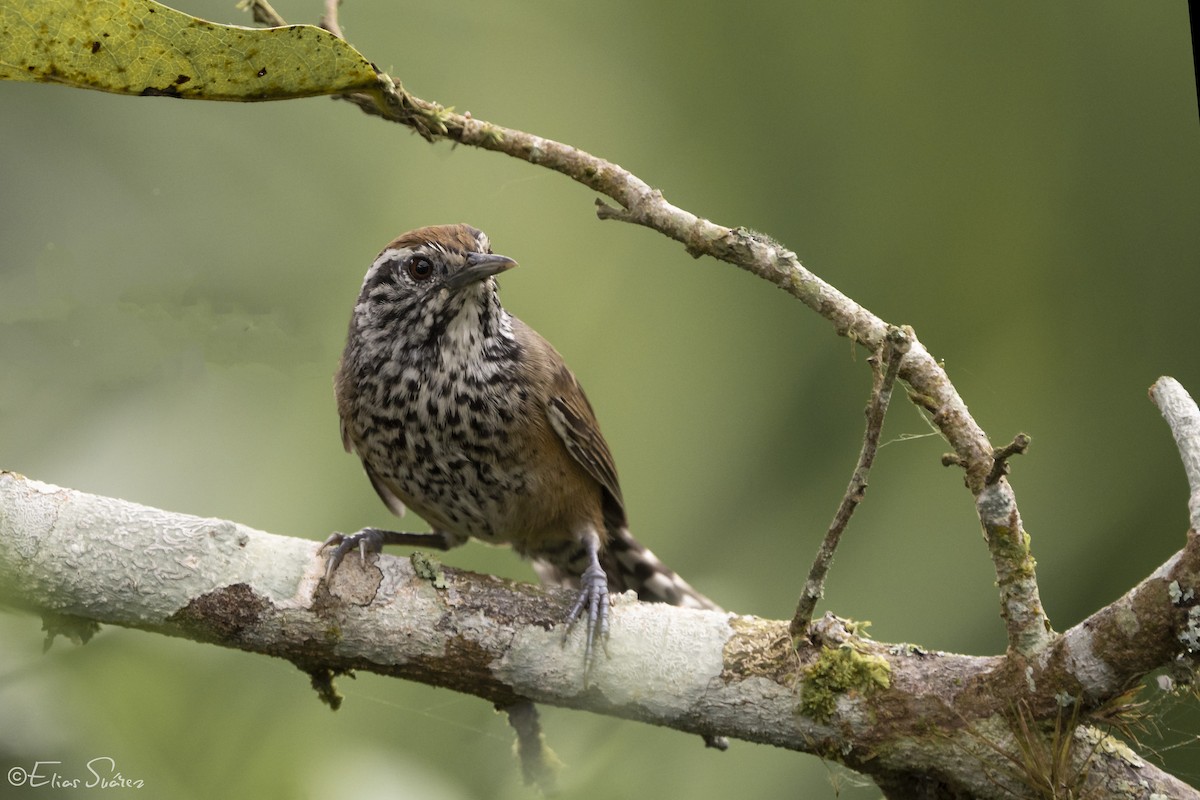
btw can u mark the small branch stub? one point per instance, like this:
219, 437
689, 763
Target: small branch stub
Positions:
1000, 456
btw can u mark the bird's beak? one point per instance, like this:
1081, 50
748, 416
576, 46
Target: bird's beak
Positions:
478, 267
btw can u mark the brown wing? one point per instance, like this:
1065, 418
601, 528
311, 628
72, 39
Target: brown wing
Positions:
573, 420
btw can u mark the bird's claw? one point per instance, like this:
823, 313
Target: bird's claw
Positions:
367, 541
593, 597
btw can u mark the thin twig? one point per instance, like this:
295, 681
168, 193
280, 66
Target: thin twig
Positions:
330, 19
1180, 411
897, 343
263, 13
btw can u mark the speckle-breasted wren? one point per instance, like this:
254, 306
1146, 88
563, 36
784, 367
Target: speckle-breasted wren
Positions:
465, 414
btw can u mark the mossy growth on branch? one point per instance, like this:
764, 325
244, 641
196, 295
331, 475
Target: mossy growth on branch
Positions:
839, 671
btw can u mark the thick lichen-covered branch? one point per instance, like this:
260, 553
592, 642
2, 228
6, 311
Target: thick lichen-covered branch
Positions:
895, 712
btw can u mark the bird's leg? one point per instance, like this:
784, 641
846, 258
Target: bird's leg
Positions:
593, 596
372, 540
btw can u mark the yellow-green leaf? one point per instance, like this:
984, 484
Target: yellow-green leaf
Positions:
140, 47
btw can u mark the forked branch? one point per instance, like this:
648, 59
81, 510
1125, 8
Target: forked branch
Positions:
637, 202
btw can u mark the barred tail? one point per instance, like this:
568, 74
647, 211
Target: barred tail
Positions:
631, 565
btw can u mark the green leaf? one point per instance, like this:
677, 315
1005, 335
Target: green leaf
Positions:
140, 47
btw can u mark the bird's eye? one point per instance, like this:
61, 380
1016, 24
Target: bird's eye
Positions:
420, 268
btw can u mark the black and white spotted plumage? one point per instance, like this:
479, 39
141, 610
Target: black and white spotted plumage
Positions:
463, 413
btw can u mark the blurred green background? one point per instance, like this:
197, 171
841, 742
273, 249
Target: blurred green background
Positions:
1020, 182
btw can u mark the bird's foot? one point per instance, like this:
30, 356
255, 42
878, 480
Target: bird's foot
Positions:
593, 598
372, 540
368, 540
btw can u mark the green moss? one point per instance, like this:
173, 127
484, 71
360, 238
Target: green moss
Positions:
438, 117
1013, 547
491, 134
322, 682
428, 568
841, 671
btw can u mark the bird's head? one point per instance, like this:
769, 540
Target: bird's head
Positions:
426, 278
